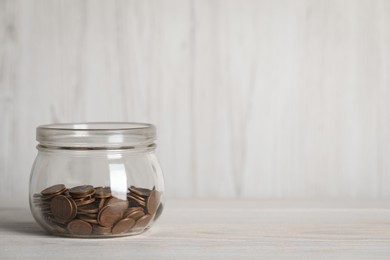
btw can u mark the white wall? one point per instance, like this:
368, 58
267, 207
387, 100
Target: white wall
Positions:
269, 99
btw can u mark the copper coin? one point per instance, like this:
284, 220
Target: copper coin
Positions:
140, 202
153, 201
81, 190
140, 191
123, 204
123, 226
88, 219
79, 227
85, 201
137, 197
90, 208
66, 193
130, 210
109, 215
83, 196
101, 203
132, 202
53, 189
50, 196
100, 230
63, 208
142, 222
87, 215
135, 214
103, 192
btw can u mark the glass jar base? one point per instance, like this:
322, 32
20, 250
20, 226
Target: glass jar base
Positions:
94, 236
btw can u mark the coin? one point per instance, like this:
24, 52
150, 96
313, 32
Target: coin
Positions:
100, 230
140, 191
135, 214
90, 208
81, 190
53, 189
83, 196
85, 201
79, 227
88, 219
123, 204
102, 192
142, 222
63, 208
123, 226
153, 201
130, 210
66, 193
94, 216
137, 197
84, 209
101, 203
109, 215
132, 202
138, 201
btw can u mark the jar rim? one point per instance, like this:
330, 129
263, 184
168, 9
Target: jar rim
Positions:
96, 135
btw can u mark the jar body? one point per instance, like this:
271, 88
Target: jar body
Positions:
96, 193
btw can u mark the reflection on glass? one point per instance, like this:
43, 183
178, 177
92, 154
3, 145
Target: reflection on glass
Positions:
118, 180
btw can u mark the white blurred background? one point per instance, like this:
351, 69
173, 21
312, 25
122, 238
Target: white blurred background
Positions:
251, 99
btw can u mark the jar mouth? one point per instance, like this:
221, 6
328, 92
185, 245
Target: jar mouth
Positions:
110, 135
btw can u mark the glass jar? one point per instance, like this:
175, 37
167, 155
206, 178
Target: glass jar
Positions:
96, 179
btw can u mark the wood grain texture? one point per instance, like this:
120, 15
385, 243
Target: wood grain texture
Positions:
265, 99
222, 229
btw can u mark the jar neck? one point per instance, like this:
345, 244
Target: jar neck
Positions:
139, 148
105, 136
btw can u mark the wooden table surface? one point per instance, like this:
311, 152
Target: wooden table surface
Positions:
222, 229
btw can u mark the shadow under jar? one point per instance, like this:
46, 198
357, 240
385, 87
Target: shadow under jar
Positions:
96, 179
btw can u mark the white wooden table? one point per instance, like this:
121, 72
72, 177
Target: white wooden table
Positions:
226, 229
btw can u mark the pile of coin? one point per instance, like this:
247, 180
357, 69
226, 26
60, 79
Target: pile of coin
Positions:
86, 210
